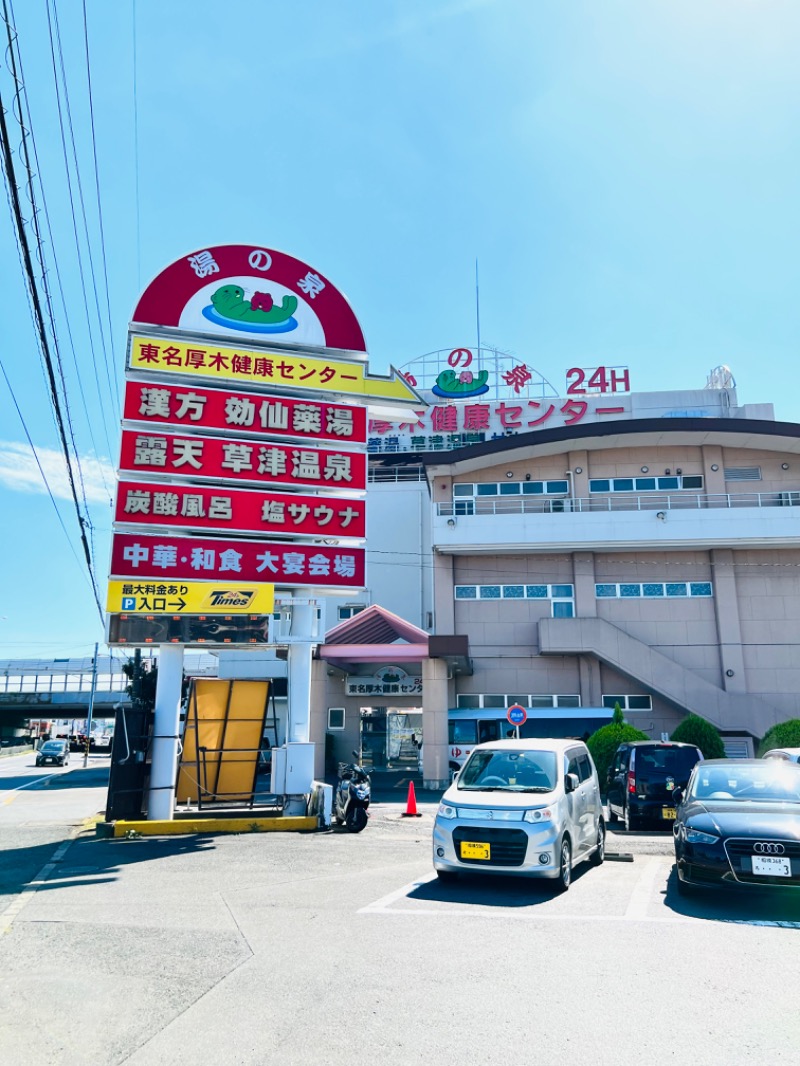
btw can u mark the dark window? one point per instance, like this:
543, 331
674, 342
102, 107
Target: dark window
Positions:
585, 768
462, 732
623, 484
488, 731
694, 481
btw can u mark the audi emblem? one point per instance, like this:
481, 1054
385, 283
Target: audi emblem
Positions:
765, 848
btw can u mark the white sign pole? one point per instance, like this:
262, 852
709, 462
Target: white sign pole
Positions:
164, 764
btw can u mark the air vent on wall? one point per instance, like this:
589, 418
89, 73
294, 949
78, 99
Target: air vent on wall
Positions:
742, 473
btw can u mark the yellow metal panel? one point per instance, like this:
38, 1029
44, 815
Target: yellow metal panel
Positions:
190, 597
216, 825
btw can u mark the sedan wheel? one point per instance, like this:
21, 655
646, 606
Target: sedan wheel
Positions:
565, 869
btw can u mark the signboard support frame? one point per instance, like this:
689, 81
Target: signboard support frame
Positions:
166, 723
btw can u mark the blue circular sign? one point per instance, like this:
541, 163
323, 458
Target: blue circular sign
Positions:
517, 714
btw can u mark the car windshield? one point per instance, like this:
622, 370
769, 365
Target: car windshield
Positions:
509, 771
769, 780
53, 746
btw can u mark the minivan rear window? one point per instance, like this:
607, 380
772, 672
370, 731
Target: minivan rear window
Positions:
667, 762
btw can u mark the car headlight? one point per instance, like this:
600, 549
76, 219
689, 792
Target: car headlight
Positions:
446, 811
541, 814
694, 836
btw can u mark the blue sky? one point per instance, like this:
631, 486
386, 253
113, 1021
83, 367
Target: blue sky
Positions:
625, 172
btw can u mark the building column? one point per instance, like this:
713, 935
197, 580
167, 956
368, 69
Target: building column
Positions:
729, 630
583, 578
444, 606
166, 725
590, 681
435, 761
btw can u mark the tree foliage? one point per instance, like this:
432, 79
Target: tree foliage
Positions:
783, 735
604, 742
696, 730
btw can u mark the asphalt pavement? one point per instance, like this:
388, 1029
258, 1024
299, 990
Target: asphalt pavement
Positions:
334, 948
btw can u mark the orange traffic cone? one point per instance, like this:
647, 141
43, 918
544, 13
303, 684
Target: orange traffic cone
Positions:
411, 804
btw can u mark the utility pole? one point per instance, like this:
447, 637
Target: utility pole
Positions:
90, 712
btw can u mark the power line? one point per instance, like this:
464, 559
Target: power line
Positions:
39, 323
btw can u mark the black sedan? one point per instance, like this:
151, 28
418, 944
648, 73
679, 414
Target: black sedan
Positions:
738, 824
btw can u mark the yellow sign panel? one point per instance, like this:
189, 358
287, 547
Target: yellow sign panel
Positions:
156, 596
258, 367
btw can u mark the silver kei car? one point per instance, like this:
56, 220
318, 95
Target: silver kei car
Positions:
522, 807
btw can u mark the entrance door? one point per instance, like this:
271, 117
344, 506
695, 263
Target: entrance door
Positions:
391, 738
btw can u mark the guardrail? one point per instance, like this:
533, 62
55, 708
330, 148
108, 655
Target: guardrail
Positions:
654, 501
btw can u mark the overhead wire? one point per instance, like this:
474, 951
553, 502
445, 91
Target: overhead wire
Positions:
30, 277
100, 223
68, 325
41, 469
55, 46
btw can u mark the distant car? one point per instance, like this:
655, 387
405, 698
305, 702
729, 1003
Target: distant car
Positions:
738, 825
523, 807
53, 751
789, 754
642, 778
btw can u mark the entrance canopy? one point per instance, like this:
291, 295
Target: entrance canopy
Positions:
378, 636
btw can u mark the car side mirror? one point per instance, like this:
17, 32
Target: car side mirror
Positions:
677, 796
455, 775
571, 782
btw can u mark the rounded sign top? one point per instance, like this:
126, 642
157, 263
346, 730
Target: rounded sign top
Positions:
517, 714
246, 291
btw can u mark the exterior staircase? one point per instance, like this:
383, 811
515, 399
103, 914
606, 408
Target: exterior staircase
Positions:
658, 674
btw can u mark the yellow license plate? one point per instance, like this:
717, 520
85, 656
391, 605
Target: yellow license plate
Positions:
470, 850
668, 813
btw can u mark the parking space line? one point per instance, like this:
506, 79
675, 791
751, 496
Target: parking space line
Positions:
644, 889
12, 911
385, 902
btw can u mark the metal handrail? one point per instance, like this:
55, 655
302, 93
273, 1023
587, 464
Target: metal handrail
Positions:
652, 501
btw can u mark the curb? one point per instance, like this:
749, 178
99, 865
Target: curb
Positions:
188, 827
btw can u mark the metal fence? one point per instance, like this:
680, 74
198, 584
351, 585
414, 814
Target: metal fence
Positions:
653, 501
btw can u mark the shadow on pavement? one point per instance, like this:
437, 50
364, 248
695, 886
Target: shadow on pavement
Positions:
738, 904
88, 861
72, 777
490, 891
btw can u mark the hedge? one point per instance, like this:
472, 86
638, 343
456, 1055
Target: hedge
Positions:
696, 730
783, 735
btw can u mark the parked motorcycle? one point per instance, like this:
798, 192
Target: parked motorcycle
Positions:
351, 796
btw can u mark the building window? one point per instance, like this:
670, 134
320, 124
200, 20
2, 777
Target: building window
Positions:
561, 596
654, 590
629, 703
335, 718
464, 495
347, 612
646, 484
493, 701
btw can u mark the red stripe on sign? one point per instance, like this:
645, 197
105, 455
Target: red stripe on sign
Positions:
148, 503
242, 412
218, 459
214, 559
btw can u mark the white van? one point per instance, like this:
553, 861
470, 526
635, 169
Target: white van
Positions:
522, 807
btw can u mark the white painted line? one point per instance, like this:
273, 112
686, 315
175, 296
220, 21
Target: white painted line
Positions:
643, 891
27, 894
9, 791
386, 901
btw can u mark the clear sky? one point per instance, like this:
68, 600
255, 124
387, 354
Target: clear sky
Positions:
625, 172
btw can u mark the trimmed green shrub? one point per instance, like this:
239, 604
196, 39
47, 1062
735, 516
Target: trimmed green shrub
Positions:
696, 730
782, 735
604, 742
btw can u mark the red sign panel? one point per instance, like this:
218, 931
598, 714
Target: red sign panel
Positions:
233, 289
243, 412
215, 459
245, 560
239, 510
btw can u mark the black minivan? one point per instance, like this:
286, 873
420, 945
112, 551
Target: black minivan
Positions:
642, 778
